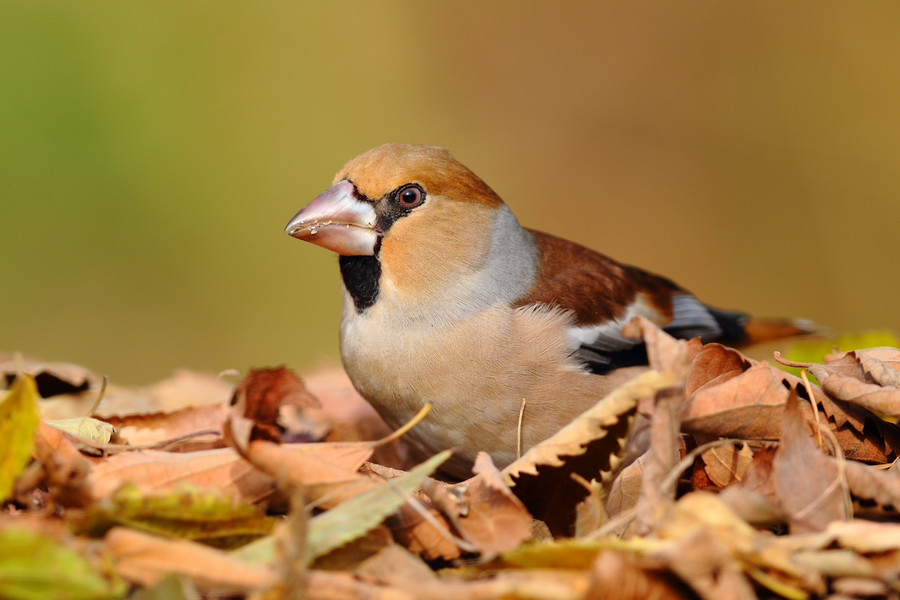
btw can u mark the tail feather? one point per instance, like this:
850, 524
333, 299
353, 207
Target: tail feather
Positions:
740, 329
764, 330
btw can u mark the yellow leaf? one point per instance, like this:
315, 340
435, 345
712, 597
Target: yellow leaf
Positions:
18, 422
86, 427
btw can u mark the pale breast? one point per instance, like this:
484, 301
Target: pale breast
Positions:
475, 372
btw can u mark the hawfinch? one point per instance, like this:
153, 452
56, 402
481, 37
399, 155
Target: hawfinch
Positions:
448, 300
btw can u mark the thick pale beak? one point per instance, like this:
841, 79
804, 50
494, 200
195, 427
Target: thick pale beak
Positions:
336, 220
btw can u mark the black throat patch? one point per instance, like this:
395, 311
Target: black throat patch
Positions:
361, 275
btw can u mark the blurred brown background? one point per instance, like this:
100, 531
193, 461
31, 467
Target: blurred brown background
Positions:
151, 153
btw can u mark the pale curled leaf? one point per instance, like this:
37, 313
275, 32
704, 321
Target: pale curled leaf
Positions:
90, 428
592, 424
882, 400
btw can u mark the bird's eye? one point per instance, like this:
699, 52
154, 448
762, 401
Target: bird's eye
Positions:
410, 196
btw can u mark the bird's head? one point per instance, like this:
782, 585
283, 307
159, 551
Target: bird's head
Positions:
424, 215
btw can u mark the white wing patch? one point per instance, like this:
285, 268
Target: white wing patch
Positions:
690, 319
607, 336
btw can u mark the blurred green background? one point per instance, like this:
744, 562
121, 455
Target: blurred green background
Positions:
152, 152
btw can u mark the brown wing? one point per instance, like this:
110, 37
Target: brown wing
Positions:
603, 295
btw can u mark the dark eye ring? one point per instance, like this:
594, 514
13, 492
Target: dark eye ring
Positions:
410, 196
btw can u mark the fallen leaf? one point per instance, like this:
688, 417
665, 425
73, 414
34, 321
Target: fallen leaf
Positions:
95, 430
877, 485
185, 512
626, 488
34, 566
143, 430
621, 576
18, 423
747, 406
807, 481
883, 401
484, 510
265, 396
726, 464
327, 472
51, 378
65, 469
357, 515
144, 559
755, 498
154, 470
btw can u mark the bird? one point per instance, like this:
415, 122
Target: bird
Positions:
448, 300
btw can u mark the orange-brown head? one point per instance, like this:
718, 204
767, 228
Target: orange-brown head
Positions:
408, 217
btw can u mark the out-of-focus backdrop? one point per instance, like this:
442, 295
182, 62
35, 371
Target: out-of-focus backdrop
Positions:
152, 152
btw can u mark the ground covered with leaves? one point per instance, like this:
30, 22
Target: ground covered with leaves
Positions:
709, 476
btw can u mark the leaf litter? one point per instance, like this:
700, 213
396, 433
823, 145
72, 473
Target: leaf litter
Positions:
713, 475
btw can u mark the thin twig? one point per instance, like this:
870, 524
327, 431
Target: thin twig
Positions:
412, 423
813, 404
519, 431
791, 363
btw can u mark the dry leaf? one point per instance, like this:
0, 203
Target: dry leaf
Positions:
626, 488
755, 498
18, 423
65, 469
484, 510
747, 406
726, 464
145, 559
154, 470
807, 481
51, 378
620, 576
326, 472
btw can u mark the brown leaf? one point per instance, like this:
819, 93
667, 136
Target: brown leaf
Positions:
590, 513
65, 469
51, 378
328, 473
153, 470
484, 510
142, 430
626, 488
664, 352
868, 483
395, 566
429, 537
806, 480
620, 576
703, 562
354, 419
755, 498
726, 464
881, 364
144, 559
356, 551
747, 406
712, 365
879, 399
272, 399
665, 444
